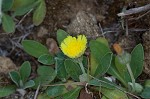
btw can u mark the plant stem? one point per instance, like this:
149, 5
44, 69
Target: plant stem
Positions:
131, 75
1, 11
82, 68
69, 83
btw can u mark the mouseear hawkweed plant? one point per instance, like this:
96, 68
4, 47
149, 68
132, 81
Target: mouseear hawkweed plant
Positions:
64, 74
10, 10
74, 48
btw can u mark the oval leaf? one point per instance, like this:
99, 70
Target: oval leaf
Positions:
7, 90
8, 23
29, 84
102, 82
60, 67
34, 48
122, 69
43, 96
46, 59
39, 13
114, 94
146, 93
137, 59
73, 69
45, 75
73, 94
103, 41
104, 65
7, 4
15, 77
56, 91
114, 72
94, 64
98, 49
61, 35
24, 9
20, 3
25, 71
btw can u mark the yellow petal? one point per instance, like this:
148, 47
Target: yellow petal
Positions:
74, 47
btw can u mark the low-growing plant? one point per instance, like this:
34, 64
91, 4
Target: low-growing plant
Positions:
11, 9
63, 75
20, 78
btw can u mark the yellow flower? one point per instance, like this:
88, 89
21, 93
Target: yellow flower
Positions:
74, 47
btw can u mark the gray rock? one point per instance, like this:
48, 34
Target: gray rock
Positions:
84, 23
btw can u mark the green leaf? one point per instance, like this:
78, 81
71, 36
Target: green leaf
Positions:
24, 9
60, 67
61, 35
8, 23
137, 58
114, 72
103, 41
7, 90
34, 48
104, 97
7, 4
45, 75
73, 69
25, 71
29, 84
146, 93
20, 3
102, 82
104, 65
15, 77
122, 69
85, 62
147, 83
39, 13
98, 49
56, 91
114, 94
43, 96
73, 94
46, 59
94, 64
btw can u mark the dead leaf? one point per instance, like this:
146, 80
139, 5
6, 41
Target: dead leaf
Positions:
84, 95
52, 46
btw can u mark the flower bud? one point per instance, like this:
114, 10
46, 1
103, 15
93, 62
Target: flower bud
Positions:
124, 58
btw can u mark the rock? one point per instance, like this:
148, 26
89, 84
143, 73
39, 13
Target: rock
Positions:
84, 23
42, 32
146, 45
6, 65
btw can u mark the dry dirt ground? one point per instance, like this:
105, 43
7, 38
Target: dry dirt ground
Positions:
91, 17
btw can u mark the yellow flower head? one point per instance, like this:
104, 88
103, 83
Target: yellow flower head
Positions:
74, 47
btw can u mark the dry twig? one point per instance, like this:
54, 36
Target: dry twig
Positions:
134, 10
37, 91
24, 17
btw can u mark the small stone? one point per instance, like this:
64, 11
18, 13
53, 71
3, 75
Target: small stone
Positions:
42, 32
6, 65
